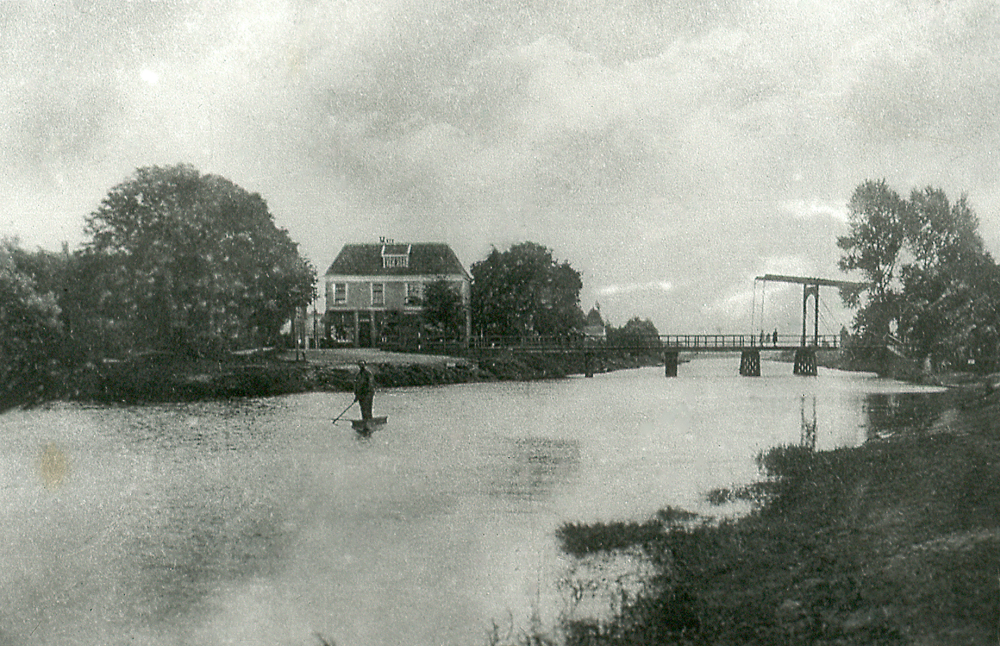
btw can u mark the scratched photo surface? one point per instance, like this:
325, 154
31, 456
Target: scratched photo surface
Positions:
671, 152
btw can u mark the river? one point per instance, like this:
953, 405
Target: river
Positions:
260, 522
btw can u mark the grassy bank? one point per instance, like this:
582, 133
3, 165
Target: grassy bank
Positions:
164, 377
892, 542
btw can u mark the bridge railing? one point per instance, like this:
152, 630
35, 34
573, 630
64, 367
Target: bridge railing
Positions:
691, 342
748, 341
706, 341
497, 342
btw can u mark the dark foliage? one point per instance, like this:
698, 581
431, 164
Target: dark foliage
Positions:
179, 260
444, 311
30, 333
638, 337
931, 282
524, 291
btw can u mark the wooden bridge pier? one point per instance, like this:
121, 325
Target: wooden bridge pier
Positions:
750, 363
805, 362
670, 360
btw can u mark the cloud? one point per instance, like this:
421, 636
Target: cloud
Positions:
748, 296
610, 290
808, 209
697, 140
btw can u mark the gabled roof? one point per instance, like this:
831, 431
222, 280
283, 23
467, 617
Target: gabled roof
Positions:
425, 258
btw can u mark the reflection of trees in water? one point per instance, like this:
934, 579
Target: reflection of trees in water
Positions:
194, 542
528, 468
205, 427
808, 410
889, 413
597, 586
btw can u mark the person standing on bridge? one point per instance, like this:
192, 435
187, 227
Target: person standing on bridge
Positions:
364, 390
774, 337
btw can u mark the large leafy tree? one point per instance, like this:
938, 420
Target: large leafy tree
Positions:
443, 307
929, 273
637, 336
950, 289
939, 234
30, 331
877, 219
178, 259
523, 291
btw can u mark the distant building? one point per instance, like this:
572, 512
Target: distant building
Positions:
374, 287
593, 326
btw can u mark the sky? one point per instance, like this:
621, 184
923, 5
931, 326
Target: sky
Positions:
670, 151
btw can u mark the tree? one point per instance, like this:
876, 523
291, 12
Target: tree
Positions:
941, 234
29, 331
877, 220
929, 273
183, 260
950, 290
638, 336
443, 308
524, 290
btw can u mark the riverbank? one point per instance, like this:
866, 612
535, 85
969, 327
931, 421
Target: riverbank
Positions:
163, 377
887, 364
896, 541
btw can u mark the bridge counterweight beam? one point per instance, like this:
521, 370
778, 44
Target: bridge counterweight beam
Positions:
670, 363
750, 363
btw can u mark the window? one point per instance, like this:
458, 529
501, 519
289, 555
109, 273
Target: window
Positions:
395, 256
395, 261
339, 293
378, 293
414, 294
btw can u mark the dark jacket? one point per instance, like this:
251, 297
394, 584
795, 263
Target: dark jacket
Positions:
364, 384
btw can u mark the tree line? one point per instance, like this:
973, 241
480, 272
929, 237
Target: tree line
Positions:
181, 262
932, 286
174, 261
526, 292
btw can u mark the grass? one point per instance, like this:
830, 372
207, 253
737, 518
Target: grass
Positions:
892, 542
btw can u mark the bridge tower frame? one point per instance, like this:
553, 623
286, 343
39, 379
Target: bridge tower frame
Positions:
805, 355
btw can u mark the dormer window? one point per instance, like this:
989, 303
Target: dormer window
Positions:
395, 256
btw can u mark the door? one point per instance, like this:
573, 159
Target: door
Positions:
365, 330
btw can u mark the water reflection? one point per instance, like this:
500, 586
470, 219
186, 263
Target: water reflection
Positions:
891, 413
256, 522
528, 468
194, 542
808, 435
208, 427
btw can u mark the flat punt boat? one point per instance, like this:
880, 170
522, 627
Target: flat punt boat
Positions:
365, 426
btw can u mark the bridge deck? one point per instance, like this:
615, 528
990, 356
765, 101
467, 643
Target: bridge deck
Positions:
664, 342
